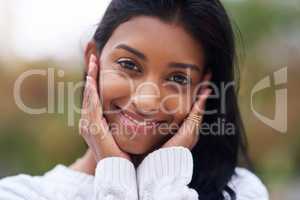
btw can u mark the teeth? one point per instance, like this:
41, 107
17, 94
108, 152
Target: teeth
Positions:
138, 122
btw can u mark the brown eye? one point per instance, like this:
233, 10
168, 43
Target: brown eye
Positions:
180, 79
128, 64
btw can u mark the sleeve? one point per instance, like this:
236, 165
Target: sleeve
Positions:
19, 187
247, 186
165, 173
115, 179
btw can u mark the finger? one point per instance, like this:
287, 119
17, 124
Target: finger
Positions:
93, 111
97, 125
86, 99
101, 141
187, 134
97, 134
207, 76
93, 67
191, 127
205, 82
199, 106
90, 99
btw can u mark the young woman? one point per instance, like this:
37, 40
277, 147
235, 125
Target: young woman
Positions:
149, 127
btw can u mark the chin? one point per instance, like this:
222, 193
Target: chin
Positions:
133, 146
134, 150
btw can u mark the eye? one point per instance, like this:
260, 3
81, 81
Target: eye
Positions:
181, 79
128, 64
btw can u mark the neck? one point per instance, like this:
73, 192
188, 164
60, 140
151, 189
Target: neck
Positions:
137, 159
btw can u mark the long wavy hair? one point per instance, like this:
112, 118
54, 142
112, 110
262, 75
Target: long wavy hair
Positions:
215, 156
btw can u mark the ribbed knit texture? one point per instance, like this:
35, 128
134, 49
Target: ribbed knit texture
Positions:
162, 175
165, 173
175, 162
115, 176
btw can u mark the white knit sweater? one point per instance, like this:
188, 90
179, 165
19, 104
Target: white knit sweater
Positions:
163, 175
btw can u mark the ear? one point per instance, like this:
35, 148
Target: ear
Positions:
90, 49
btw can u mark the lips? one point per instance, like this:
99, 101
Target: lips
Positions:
136, 122
132, 117
136, 117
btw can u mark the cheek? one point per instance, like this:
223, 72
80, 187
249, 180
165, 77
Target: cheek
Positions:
113, 86
179, 106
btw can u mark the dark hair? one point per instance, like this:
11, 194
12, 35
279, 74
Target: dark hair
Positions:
215, 157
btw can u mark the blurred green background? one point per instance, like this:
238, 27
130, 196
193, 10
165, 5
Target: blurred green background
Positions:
270, 33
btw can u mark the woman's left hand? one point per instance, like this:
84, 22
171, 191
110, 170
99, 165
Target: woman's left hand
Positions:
188, 134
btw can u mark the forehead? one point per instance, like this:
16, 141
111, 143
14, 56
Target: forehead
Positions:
157, 39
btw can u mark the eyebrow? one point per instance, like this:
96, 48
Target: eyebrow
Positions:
133, 51
142, 56
185, 66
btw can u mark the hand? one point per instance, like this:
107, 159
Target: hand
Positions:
86, 164
188, 133
93, 127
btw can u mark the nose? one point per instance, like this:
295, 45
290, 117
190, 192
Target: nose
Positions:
146, 99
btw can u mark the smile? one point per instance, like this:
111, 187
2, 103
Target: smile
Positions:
137, 124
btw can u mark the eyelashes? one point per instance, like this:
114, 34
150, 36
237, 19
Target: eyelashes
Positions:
180, 79
130, 66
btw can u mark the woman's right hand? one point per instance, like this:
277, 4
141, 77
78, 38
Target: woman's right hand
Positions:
93, 126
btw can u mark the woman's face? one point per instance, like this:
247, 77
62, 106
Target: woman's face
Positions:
149, 70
